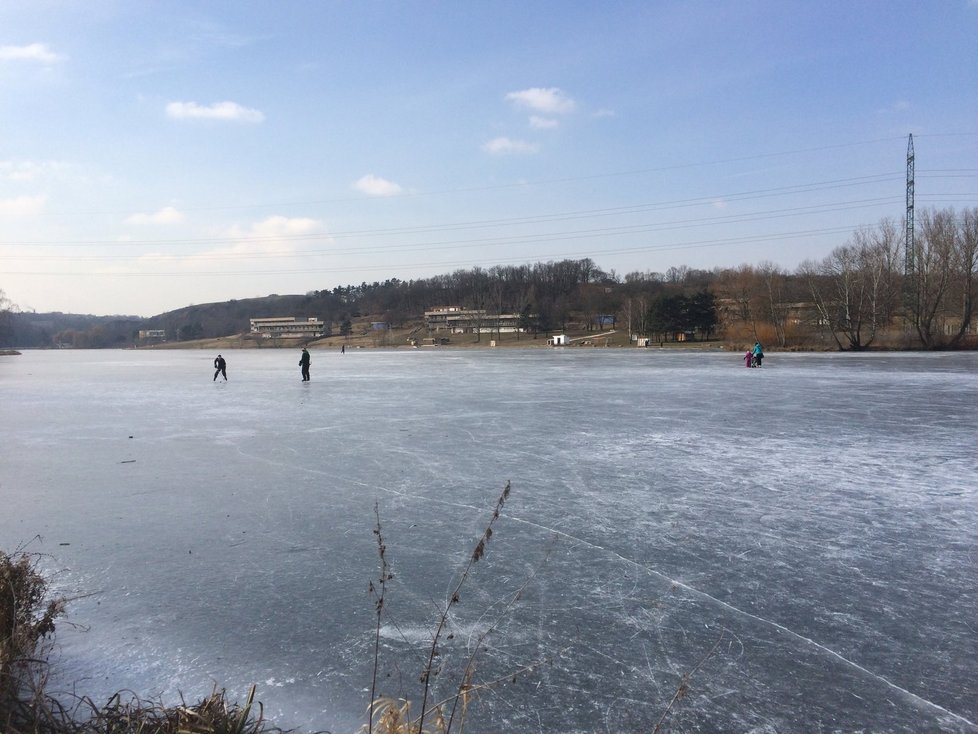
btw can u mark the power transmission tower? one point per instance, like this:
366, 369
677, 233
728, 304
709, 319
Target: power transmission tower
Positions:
910, 310
908, 266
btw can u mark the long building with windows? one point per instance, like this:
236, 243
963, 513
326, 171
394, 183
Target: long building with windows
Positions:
458, 320
287, 326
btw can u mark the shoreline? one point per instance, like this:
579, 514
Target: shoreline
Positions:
230, 343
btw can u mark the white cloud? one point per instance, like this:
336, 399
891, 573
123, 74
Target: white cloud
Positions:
231, 111
250, 248
166, 215
21, 206
543, 123
504, 146
550, 100
272, 235
901, 105
285, 226
33, 52
376, 186
30, 171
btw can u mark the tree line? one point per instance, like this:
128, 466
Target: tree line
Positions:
871, 291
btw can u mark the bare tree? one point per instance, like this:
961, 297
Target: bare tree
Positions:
773, 279
934, 261
7, 309
878, 252
678, 276
886, 243
965, 289
740, 293
854, 288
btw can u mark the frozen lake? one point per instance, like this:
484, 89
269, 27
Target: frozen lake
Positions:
813, 523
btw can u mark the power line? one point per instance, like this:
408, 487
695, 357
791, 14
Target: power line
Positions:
776, 237
533, 183
623, 230
474, 224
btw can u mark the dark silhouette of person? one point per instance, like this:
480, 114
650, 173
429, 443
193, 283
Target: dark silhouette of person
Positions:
220, 368
304, 364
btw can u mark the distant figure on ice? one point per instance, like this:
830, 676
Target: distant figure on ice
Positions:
343, 349
758, 354
220, 368
304, 364
748, 358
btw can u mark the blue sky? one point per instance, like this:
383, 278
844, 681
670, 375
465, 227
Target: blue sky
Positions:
159, 154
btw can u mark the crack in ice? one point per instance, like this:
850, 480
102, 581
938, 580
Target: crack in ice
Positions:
692, 590
749, 615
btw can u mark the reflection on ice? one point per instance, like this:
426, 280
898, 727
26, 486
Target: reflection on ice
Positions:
817, 517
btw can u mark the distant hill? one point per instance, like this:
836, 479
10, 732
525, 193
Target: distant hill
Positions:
212, 320
42, 330
201, 321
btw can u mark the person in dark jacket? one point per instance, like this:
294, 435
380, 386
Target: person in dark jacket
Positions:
304, 364
220, 367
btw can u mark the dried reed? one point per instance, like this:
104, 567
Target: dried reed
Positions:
394, 716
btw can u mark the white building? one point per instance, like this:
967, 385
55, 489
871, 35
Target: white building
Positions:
287, 326
470, 321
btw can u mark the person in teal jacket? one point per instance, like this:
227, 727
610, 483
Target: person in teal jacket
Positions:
758, 353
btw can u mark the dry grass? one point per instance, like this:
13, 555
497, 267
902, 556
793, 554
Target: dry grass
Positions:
393, 716
212, 715
448, 713
27, 618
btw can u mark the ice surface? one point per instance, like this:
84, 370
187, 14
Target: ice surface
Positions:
818, 517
